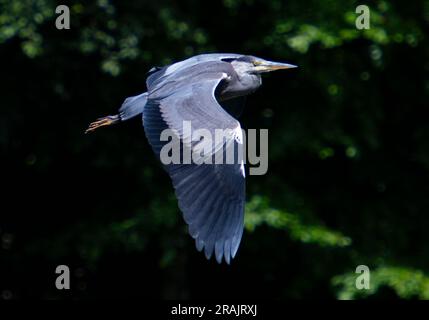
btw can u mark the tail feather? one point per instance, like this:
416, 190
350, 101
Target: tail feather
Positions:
133, 106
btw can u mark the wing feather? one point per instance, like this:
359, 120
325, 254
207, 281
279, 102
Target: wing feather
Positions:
210, 196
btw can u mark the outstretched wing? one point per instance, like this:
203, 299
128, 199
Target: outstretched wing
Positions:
211, 196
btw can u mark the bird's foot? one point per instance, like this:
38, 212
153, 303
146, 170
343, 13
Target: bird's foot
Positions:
101, 122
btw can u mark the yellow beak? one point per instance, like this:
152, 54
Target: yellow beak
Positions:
267, 66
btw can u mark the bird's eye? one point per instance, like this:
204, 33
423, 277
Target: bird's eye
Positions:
257, 63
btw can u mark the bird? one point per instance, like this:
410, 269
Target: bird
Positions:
208, 91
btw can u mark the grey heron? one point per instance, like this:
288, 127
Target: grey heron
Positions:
200, 90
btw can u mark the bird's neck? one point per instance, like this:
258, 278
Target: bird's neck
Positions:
242, 85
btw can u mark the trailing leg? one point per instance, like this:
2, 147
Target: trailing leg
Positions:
132, 107
104, 121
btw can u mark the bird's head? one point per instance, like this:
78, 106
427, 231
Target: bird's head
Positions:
255, 65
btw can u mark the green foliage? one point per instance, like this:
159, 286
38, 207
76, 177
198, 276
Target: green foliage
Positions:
258, 211
406, 282
22, 19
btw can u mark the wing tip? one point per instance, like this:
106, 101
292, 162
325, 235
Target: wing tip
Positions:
222, 250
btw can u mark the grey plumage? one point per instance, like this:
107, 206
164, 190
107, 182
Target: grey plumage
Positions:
132, 106
203, 90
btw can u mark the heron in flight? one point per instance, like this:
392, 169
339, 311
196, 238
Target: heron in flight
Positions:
208, 91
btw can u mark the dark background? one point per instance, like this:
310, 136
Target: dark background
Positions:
348, 173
